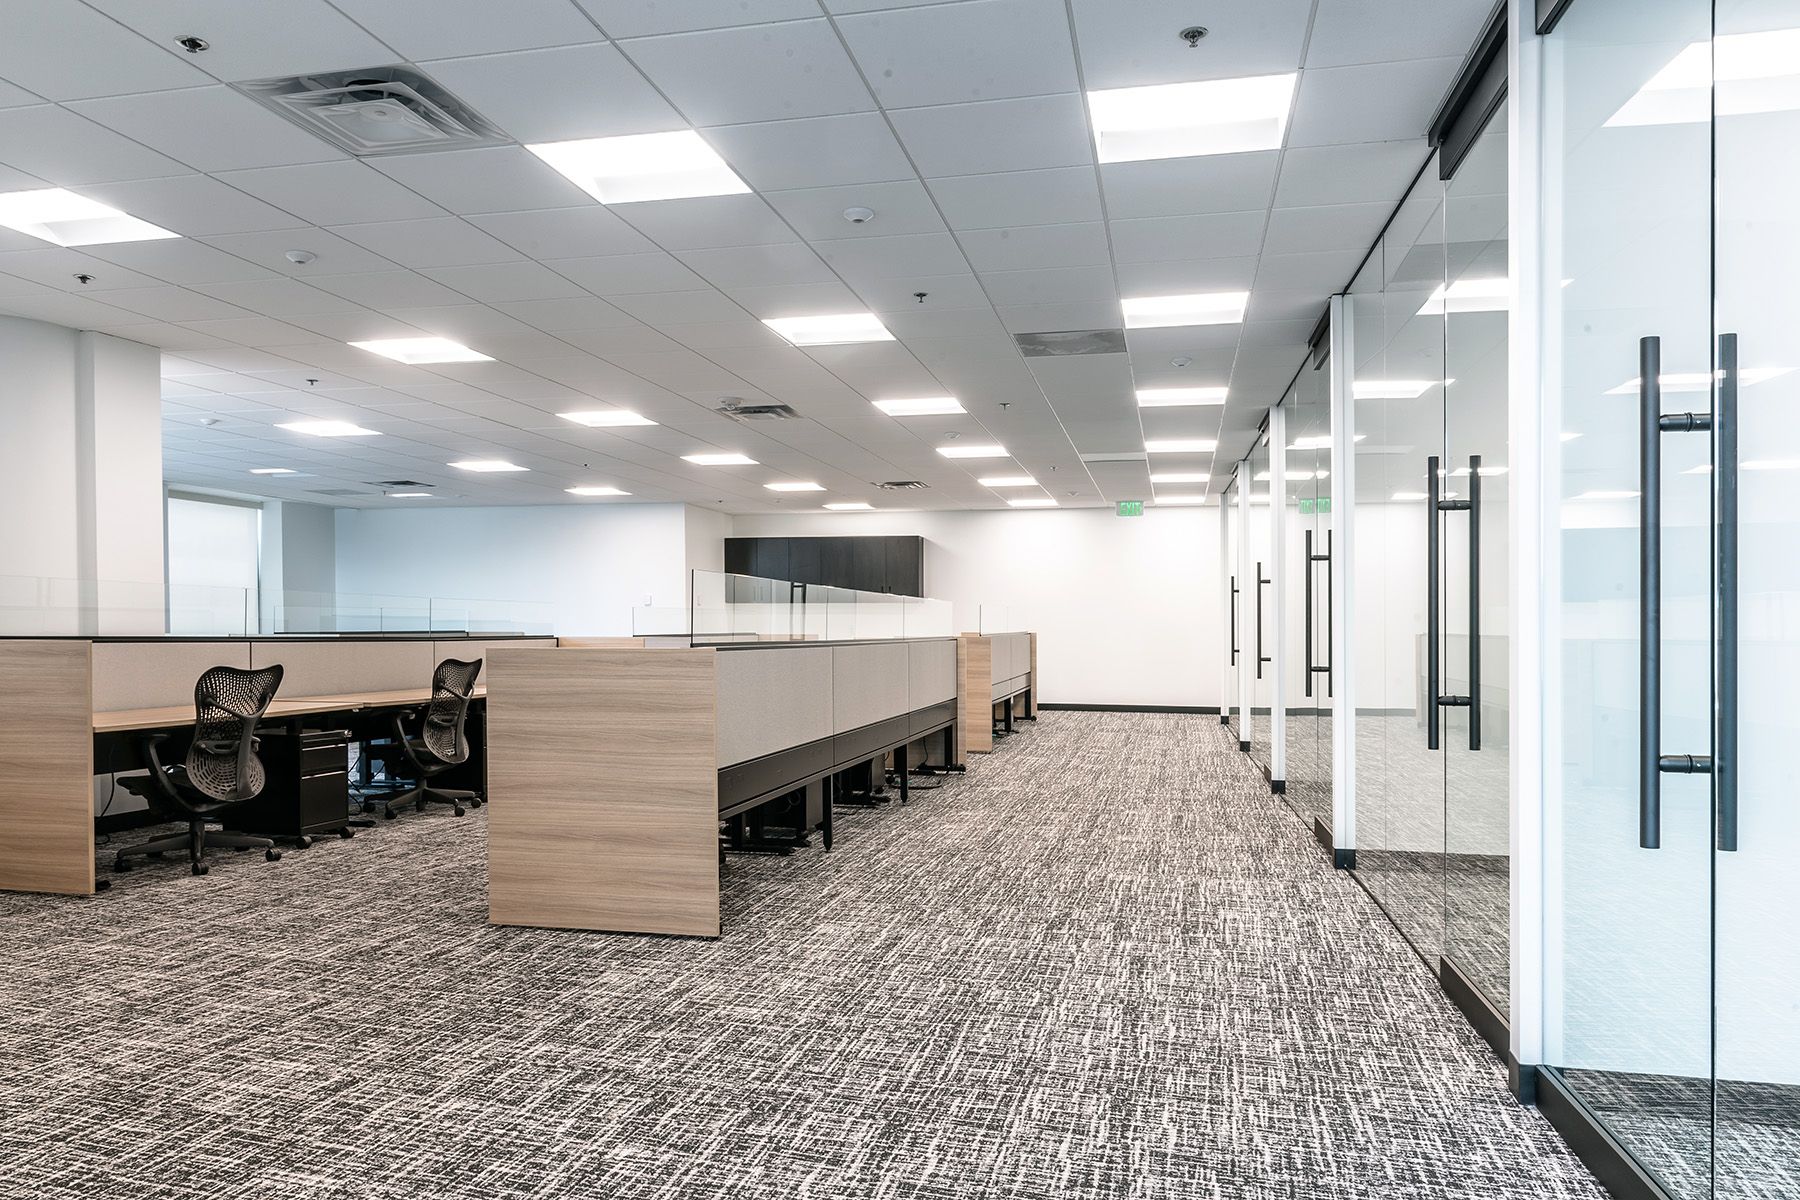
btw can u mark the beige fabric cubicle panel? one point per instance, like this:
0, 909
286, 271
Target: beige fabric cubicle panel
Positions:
773, 699
131, 675
931, 673
338, 667
467, 649
47, 746
869, 683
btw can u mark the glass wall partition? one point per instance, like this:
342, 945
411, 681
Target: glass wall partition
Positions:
1672, 237
727, 607
1307, 578
1232, 705
1260, 535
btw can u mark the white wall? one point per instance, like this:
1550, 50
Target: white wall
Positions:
1127, 609
587, 566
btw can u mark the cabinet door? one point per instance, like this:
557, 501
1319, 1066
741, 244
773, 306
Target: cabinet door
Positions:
803, 560
835, 566
905, 565
868, 559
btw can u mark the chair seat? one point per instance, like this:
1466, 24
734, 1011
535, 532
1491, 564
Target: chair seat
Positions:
193, 800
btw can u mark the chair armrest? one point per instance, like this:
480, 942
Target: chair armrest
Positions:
152, 746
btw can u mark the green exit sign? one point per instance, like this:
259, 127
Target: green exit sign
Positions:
1131, 508
1321, 505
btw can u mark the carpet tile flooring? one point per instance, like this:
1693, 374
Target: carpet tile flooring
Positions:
1105, 963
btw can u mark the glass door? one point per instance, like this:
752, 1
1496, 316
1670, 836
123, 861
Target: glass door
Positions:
1260, 598
1231, 705
1756, 596
1308, 582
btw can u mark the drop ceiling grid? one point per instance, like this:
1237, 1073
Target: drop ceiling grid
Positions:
197, 302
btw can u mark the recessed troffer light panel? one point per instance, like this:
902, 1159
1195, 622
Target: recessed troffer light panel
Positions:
271, 470
1175, 397
1201, 308
327, 428
487, 466
611, 418
1733, 75
973, 450
595, 491
921, 406
719, 460
1165, 501
643, 166
1181, 445
795, 486
1006, 481
1391, 389
851, 506
1033, 502
1179, 477
421, 351
1184, 120
831, 329
65, 219
1467, 296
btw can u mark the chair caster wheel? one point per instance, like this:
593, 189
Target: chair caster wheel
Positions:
346, 833
458, 811
121, 866
302, 843
272, 855
477, 802
387, 814
200, 868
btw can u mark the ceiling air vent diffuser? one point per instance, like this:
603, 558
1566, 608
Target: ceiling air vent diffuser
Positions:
376, 110
903, 485
739, 411
398, 483
337, 492
1074, 341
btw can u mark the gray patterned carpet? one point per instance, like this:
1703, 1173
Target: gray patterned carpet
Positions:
1095, 967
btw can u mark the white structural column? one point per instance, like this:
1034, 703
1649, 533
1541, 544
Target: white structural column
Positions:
1278, 522
81, 452
1533, 567
1342, 541
1246, 608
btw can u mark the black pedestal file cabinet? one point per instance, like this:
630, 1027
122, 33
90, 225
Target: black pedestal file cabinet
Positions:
307, 791
869, 564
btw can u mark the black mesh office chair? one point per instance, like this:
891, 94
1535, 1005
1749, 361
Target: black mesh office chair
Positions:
441, 743
221, 769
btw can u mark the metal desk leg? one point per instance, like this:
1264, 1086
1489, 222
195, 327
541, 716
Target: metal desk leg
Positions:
900, 766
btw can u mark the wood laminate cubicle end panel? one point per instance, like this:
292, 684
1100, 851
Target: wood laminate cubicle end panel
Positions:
603, 790
974, 687
46, 766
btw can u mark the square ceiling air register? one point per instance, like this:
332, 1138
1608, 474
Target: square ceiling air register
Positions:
372, 111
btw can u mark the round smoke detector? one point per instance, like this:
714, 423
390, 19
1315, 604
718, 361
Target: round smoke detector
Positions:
859, 215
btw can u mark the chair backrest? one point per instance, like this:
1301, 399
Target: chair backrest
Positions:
228, 702
451, 686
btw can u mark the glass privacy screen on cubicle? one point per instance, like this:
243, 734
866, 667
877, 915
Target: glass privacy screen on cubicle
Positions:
1672, 970
747, 608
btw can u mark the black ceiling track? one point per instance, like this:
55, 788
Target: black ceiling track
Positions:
1474, 97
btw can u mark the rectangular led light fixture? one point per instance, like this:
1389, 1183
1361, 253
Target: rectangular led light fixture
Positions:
611, 418
1733, 75
421, 351
643, 166
61, 217
595, 491
1164, 501
1197, 308
487, 466
271, 470
851, 506
1406, 496
1467, 296
1033, 502
922, 406
409, 495
1318, 441
326, 428
1185, 120
1602, 494
1006, 481
830, 329
1181, 446
794, 486
1180, 477
973, 450
1391, 389
719, 460
1177, 397
1699, 381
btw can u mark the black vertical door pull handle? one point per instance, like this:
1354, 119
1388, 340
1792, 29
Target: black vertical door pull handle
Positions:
1261, 583
1234, 620
1330, 633
1725, 540
1475, 602
1650, 593
1433, 497
1307, 569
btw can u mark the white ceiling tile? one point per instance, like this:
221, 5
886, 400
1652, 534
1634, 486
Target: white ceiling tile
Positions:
1266, 304
255, 331
811, 151
1174, 277
332, 254
277, 297
1169, 187
1327, 227
57, 266
42, 39
795, 299
494, 282
556, 94
1322, 273
923, 321
466, 323
1346, 32
628, 274
13, 97
643, 18
1034, 246
333, 193
1049, 318
1208, 235
999, 135
192, 205
491, 179
756, 73
664, 309
590, 229
1361, 172
742, 330
758, 266
422, 29
354, 326
960, 292
253, 42
1130, 45
577, 314
705, 222
817, 214
1384, 103
1064, 195
860, 260
208, 128
182, 260
439, 242
954, 53
1061, 285
384, 289
173, 304
68, 150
